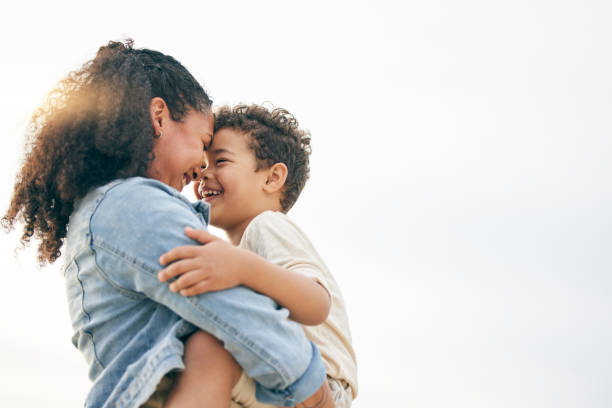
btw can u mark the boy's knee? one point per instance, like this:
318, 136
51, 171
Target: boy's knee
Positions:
202, 342
207, 352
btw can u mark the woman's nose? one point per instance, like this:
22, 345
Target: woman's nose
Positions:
197, 173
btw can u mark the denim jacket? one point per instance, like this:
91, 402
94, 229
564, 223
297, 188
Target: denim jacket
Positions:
128, 325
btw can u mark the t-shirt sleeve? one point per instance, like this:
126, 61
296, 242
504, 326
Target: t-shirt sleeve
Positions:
273, 236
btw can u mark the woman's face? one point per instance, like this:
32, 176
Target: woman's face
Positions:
179, 151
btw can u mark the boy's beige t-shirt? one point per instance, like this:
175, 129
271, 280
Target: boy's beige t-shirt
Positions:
273, 236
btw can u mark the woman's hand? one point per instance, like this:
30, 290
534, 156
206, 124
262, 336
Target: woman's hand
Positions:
215, 265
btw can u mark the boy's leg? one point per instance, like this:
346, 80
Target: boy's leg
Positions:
209, 376
323, 398
244, 395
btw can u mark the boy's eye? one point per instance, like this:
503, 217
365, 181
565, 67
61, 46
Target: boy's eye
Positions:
219, 161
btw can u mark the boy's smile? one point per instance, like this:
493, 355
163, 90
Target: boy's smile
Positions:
206, 193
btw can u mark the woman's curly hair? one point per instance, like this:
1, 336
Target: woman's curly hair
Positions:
275, 137
94, 127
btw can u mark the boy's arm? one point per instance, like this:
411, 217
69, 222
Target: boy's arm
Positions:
218, 265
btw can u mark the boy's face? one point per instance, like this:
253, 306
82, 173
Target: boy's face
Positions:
230, 183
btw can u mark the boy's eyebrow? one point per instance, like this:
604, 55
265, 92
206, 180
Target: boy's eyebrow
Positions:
221, 150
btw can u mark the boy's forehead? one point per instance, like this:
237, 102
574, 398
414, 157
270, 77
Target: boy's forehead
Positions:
224, 137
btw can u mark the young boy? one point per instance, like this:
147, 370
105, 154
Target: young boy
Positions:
257, 165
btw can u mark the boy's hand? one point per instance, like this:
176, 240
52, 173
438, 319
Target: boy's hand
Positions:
216, 265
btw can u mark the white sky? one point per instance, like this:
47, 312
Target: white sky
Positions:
460, 189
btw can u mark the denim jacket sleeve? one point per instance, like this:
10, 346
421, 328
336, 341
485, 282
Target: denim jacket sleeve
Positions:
139, 220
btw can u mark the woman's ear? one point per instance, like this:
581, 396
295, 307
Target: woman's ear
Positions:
158, 110
275, 178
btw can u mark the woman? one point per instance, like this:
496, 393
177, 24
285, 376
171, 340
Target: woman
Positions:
108, 155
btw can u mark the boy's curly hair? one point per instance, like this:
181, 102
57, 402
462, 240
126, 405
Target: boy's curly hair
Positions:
95, 127
274, 138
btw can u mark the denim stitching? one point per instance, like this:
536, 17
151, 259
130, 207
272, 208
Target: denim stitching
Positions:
127, 399
128, 293
88, 333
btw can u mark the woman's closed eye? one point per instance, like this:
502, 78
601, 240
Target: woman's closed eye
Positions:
220, 161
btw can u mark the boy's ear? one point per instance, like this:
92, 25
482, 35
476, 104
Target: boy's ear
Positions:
158, 110
275, 178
